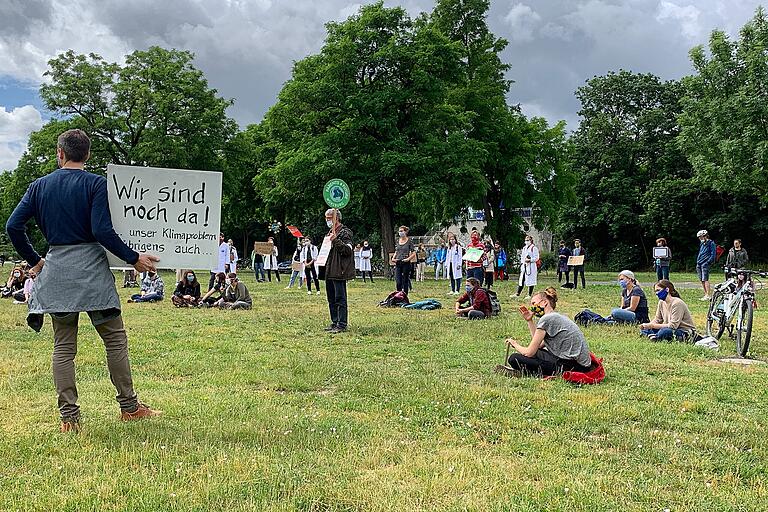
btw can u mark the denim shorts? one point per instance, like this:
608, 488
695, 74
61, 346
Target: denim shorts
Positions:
703, 272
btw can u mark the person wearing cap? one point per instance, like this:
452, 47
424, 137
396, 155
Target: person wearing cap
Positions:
578, 250
704, 260
634, 304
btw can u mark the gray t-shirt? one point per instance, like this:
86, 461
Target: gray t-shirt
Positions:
403, 251
564, 339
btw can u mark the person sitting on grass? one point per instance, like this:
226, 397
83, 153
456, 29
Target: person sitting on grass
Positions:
673, 319
235, 295
15, 283
475, 303
23, 296
187, 293
213, 295
634, 304
557, 344
152, 289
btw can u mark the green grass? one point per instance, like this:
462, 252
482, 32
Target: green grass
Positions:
263, 411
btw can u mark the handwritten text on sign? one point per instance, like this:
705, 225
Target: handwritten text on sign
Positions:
172, 213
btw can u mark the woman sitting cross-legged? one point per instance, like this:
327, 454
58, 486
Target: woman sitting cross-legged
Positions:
557, 344
187, 293
475, 303
673, 318
634, 304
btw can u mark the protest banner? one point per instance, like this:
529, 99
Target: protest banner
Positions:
661, 252
297, 266
294, 231
473, 254
264, 248
325, 250
575, 261
172, 213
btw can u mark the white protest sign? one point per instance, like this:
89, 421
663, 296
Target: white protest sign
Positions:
325, 250
172, 213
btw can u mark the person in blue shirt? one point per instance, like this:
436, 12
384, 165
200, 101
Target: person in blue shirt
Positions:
439, 260
501, 262
70, 208
704, 260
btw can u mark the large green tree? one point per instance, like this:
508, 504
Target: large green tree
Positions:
372, 108
725, 118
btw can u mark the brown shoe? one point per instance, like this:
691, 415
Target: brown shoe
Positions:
70, 426
143, 411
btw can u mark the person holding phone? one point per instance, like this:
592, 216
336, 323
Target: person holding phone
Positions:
557, 344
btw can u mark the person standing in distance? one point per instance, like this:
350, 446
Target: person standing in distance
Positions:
70, 207
222, 261
704, 260
578, 250
339, 268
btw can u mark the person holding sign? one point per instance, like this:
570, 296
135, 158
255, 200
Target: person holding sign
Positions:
70, 207
475, 267
529, 270
662, 257
403, 258
309, 256
337, 257
257, 263
578, 250
270, 262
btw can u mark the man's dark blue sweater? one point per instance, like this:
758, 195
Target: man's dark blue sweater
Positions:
70, 207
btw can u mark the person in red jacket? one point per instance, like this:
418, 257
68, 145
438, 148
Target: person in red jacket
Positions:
475, 304
475, 268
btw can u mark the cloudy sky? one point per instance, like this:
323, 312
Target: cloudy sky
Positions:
246, 47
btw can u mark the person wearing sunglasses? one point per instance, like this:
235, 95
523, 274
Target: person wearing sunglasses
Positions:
557, 344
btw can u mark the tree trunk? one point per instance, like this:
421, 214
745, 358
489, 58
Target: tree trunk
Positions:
386, 223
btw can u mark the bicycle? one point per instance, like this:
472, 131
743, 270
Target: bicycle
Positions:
732, 307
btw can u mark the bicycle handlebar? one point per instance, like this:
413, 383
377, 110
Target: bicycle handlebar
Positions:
736, 271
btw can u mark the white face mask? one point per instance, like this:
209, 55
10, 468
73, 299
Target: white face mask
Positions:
528, 243
329, 223
401, 233
229, 282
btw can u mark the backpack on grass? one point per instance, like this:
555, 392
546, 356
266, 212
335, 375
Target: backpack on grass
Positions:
395, 300
588, 317
495, 303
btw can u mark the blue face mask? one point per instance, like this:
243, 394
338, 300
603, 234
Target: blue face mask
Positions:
662, 294
623, 284
468, 288
190, 278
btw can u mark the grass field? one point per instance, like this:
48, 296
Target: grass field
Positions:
264, 411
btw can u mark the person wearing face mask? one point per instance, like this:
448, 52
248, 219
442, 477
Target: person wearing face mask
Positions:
563, 253
474, 304
366, 253
488, 267
309, 254
15, 283
421, 263
339, 268
297, 267
187, 293
439, 260
557, 344
578, 250
257, 263
358, 249
236, 295
634, 304
453, 262
403, 258
22, 297
213, 295
476, 269
501, 262
662, 263
270, 262
529, 271
233, 256
673, 319
152, 289
71, 209
222, 263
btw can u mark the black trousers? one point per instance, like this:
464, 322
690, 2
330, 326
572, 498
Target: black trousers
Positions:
560, 275
576, 271
544, 364
310, 274
269, 275
403, 276
370, 274
336, 291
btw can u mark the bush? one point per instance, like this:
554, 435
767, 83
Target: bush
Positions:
624, 256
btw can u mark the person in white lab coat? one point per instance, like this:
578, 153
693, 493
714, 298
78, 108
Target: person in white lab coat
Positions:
529, 271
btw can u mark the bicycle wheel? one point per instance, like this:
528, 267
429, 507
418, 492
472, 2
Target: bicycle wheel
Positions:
716, 315
744, 326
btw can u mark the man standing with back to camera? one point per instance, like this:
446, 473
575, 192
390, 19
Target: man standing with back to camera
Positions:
70, 208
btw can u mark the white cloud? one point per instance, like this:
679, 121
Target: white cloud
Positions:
15, 127
522, 20
687, 16
348, 11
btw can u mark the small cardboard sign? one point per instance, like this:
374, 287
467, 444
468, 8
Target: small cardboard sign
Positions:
297, 266
576, 261
264, 248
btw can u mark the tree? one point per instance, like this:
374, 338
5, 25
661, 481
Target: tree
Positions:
155, 110
724, 123
371, 108
522, 161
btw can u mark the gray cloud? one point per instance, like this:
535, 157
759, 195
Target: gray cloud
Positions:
247, 47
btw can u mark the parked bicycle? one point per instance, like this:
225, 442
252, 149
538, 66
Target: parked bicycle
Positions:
732, 307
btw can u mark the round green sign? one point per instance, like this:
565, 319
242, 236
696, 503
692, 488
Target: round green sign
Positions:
336, 193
